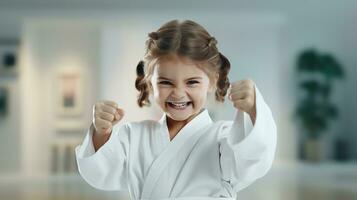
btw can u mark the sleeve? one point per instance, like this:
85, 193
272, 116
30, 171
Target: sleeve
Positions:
106, 168
247, 151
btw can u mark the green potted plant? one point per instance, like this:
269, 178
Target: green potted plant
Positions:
316, 73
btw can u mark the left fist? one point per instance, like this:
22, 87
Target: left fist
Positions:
242, 94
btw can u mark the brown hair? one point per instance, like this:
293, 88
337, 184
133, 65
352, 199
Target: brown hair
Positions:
187, 39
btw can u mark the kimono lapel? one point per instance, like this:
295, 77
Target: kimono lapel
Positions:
183, 142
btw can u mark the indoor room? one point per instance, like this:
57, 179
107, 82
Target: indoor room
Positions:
59, 58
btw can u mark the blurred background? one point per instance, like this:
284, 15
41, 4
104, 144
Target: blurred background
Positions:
57, 58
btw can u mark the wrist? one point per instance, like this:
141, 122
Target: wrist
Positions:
253, 115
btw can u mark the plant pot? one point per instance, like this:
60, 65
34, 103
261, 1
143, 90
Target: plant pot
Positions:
342, 149
312, 150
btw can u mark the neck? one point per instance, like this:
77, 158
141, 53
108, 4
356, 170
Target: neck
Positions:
175, 126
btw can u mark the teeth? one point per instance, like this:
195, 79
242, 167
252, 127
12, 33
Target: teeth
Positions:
179, 104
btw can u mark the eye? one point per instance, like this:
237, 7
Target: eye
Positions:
192, 82
165, 83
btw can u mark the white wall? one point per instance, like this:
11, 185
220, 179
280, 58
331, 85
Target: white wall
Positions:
51, 46
122, 48
10, 151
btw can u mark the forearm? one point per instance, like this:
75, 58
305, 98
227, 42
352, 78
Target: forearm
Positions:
99, 139
253, 116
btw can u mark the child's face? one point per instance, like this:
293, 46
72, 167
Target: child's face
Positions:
180, 88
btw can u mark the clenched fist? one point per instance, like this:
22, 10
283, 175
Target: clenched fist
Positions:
105, 115
242, 94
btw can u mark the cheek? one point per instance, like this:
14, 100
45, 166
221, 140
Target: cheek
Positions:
199, 94
161, 94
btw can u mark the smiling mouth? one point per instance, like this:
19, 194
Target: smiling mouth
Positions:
179, 105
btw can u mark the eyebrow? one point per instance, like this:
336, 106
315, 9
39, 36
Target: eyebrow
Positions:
197, 77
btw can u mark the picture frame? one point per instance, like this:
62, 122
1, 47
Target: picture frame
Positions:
4, 101
9, 51
69, 93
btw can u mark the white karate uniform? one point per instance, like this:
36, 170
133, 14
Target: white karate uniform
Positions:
205, 160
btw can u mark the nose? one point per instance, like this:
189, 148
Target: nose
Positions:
178, 93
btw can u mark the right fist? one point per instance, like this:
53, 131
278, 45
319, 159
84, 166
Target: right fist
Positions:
105, 115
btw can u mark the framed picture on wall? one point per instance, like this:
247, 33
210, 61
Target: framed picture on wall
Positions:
9, 57
69, 93
4, 102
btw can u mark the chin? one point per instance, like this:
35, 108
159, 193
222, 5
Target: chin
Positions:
179, 118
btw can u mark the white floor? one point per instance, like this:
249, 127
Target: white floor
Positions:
327, 181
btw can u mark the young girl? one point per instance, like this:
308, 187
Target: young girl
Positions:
184, 155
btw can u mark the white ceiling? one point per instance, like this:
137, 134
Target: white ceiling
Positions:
328, 13
325, 10
246, 5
